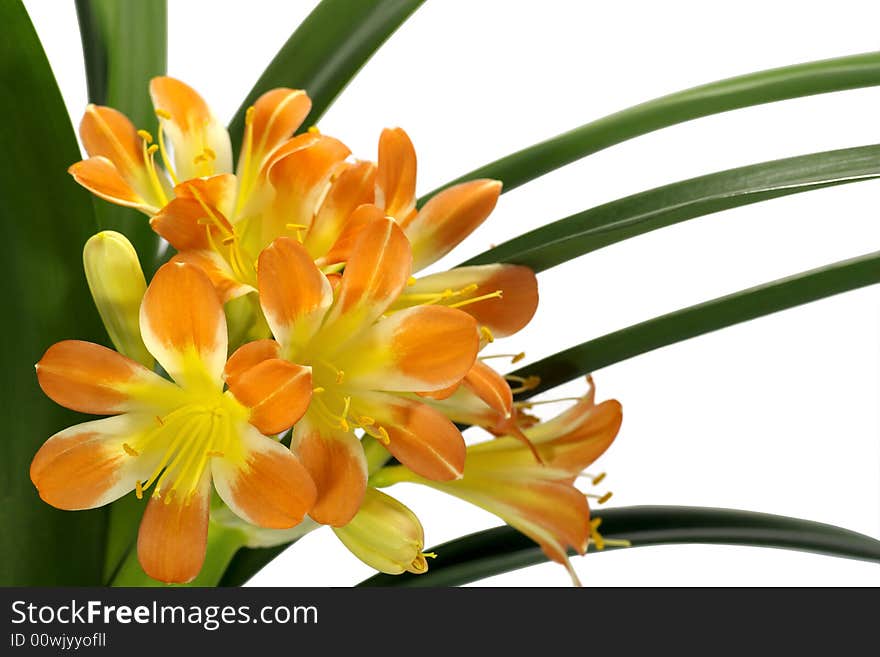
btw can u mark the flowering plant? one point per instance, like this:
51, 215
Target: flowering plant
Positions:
279, 356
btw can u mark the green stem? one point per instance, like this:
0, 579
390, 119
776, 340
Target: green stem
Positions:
223, 543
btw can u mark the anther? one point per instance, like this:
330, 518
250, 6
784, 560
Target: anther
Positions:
486, 334
314, 130
411, 280
160, 421
138, 490
601, 499
318, 390
249, 115
152, 149
129, 450
162, 114
340, 377
366, 420
383, 437
146, 136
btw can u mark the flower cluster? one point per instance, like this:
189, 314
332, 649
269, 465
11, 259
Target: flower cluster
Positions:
301, 354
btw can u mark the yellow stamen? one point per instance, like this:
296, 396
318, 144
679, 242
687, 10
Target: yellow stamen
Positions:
340, 377
497, 294
314, 130
318, 390
129, 450
486, 334
514, 358
138, 490
146, 136
163, 114
601, 499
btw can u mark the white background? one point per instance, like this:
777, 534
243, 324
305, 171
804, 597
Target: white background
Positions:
777, 415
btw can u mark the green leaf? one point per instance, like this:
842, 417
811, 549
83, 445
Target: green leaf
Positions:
124, 46
554, 243
326, 51
503, 549
45, 219
703, 318
247, 562
744, 91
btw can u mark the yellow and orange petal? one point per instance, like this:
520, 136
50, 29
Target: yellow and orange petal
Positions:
420, 437
100, 176
294, 294
183, 325
424, 348
376, 273
351, 188
200, 141
87, 466
276, 391
448, 218
89, 378
396, 175
336, 462
173, 535
268, 487
508, 294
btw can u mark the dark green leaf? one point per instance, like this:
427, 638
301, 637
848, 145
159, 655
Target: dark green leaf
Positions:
587, 231
45, 218
326, 51
124, 46
502, 549
753, 89
703, 318
247, 562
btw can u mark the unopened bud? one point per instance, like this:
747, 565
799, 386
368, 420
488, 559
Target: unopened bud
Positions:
117, 283
385, 535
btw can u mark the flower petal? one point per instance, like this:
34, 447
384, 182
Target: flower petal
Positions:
484, 399
86, 466
300, 171
448, 218
182, 323
353, 187
396, 175
376, 273
276, 116
247, 356
197, 216
107, 133
266, 485
418, 349
276, 391
89, 378
173, 535
555, 515
101, 177
342, 248
421, 438
294, 294
335, 459
226, 284
504, 315
201, 143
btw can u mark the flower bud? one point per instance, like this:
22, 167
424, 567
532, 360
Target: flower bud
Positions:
117, 284
385, 535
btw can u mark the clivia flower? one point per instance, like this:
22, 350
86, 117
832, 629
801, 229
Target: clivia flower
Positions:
216, 220
365, 365
176, 436
539, 499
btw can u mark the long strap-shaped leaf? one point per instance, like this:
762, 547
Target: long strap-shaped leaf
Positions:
554, 243
703, 318
326, 51
45, 218
503, 549
124, 45
754, 89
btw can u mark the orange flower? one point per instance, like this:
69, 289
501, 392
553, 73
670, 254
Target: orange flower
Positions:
364, 364
216, 220
538, 499
180, 436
